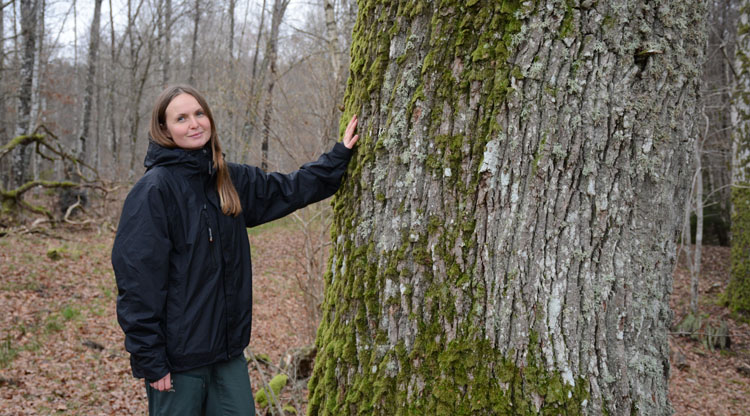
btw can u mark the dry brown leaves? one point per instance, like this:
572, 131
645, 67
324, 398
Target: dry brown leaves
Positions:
59, 336
48, 310
710, 384
63, 350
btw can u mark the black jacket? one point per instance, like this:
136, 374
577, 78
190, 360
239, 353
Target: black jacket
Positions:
183, 267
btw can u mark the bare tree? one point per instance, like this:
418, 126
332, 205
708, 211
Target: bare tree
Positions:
28, 32
194, 44
140, 48
717, 89
232, 6
166, 35
279, 8
332, 36
113, 142
2, 72
90, 77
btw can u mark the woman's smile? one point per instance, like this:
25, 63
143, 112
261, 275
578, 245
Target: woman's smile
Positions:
186, 122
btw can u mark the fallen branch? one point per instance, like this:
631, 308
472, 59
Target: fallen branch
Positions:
48, 147
266, 386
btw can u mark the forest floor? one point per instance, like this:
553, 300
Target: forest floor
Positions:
705, 380
61, 349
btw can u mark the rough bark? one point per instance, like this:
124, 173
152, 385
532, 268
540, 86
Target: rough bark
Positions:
738, 291
504, 242
23, 111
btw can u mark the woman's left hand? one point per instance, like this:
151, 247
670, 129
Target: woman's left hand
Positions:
350, 141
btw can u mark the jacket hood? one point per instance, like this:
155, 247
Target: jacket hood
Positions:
199, 160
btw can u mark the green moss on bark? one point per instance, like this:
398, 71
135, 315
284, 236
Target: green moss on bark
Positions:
358, 370
738, 291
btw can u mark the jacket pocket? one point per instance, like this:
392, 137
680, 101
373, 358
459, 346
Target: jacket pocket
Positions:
211, 240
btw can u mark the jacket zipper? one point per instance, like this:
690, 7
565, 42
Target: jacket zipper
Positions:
212, 253
208, 224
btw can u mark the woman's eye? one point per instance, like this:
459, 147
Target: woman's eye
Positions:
180, 118
199, 113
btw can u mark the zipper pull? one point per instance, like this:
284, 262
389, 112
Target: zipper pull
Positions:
208, 224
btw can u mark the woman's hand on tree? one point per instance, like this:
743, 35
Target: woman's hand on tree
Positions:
164, 384
350, 141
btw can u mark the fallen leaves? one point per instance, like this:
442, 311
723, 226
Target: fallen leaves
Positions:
61, 349
705, 382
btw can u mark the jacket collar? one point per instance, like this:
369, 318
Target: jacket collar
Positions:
197, 161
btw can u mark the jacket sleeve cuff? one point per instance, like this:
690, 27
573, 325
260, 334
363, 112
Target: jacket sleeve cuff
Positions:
341, 151
149, 368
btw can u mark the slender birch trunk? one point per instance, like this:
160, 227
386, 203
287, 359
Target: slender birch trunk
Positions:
21, 158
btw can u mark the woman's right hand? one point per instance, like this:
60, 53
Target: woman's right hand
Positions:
350, 139
164, 384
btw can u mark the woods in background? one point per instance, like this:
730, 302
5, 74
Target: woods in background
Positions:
276, 79
74, 114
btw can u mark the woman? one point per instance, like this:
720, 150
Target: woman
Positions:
182, 258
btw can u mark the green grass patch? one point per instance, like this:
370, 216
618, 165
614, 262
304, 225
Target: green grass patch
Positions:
282, 223
52, 324
70, 312
7, 351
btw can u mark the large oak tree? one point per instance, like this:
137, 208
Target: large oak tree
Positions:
738, 292
505, 240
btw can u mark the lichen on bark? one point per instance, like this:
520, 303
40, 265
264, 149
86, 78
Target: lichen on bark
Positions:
738, 290
504, 241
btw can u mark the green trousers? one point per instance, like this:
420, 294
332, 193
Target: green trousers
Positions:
218, 389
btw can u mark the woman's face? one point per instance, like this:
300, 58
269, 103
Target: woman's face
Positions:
186, 122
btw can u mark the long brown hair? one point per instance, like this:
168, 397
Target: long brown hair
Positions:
230, 201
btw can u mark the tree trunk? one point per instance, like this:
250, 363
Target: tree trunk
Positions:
194, 44
167, 35
697, 200
738, 291
332, 37
232, 6
90, 76
505, 240
254, 72
337, 69
3, 132
279, 8
138, 62
251, 105
113, 145
4, 177
23, 124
